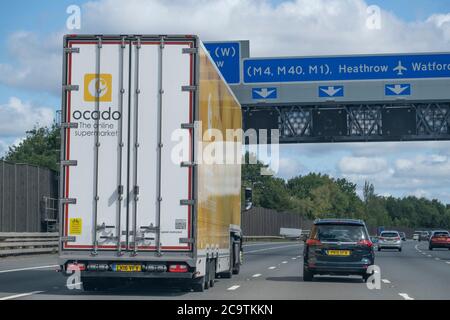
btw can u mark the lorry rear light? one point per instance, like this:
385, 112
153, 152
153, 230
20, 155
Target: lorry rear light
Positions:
366, 243
178, 268
75, 267
313, 242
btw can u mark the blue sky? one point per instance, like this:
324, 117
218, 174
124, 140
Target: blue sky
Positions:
31, 46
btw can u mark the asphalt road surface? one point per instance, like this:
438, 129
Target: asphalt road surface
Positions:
270, 271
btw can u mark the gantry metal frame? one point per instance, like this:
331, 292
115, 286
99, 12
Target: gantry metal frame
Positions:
364, 122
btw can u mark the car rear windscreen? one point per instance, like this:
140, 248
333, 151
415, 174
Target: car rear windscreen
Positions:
339, 233
440, 233
389, 234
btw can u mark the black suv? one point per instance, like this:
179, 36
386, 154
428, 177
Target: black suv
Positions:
338, 247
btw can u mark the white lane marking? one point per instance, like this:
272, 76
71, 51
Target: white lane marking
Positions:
429, 256
16, 296
447, 262
272, 248
233, 287
385, 281
263, 244
405, 296
271, 268
437, 259
299, 256
256, 275
30, 268
284, 262
294, 258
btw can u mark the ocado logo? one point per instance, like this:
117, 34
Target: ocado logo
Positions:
98, 86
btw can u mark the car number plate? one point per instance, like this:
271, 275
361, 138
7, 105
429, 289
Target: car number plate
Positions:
127, 268
341, 253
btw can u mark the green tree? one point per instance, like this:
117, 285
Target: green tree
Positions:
40, 147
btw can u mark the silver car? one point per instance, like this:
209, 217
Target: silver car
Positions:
389, 240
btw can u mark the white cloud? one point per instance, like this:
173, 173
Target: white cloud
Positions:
362, 165
292, 27
16, 117
300, 27
35, 62
290, 167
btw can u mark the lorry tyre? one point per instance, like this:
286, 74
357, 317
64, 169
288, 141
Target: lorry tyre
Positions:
212, 273
198, 284
236, 268
207, 275
307, 275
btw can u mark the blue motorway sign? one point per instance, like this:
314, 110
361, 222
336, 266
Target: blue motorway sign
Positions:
397, 89
227, 56
264, 93
331, 91
418, 66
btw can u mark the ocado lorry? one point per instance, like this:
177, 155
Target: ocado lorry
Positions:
135, 202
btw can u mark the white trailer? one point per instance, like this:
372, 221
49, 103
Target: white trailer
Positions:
128, 210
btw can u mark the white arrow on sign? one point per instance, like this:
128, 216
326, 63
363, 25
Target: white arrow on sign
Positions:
397, 89
264, 92
331, 91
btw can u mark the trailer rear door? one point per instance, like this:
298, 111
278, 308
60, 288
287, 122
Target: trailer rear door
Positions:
118, 164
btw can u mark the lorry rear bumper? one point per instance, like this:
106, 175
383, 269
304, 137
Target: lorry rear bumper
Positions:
140, 275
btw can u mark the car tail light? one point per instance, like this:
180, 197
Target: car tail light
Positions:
366, 243
76, 267
178, 268
313, 242
397, 238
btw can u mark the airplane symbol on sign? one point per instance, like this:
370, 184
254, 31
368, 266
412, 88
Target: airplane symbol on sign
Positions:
400, 68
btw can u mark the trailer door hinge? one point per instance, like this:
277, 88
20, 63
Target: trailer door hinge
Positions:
187, 126
69, 125
187, 240
72, 50
69, 163
68, 239
187, 202
71, 87
190, 50
188, 88
185, 164
68, 201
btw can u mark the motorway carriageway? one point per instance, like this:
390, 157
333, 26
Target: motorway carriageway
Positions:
270, 271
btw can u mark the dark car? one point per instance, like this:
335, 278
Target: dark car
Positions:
338, 247
424, 236
439, 239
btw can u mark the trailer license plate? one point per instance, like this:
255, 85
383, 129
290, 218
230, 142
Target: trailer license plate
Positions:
342, 253
128, 268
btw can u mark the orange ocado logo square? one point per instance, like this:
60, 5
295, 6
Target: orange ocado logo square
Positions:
101, 84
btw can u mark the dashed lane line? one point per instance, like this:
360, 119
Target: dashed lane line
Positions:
30, 268
233, 287
271, 268
21, 295
256, 275
385, 281
272, 248
405, 296
284, 262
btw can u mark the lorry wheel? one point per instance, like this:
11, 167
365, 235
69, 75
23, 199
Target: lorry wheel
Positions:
212, 274
236, 269
207, 275
307, 275
198, 284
